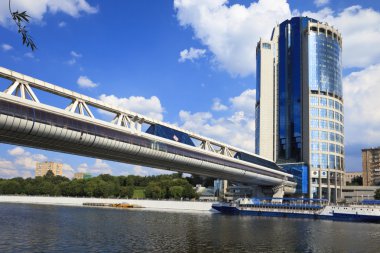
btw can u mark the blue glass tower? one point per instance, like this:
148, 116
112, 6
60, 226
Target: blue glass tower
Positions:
308, 112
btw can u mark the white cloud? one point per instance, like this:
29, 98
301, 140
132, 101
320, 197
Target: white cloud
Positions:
5, 164
245, 101
62, 24
237, 128
17, 151
75, 54
361, 99
8, 173
85, 82
37, 9
99, 167
29, 55
320, 3
218, 106
191, 54
6, 47
67, 170
231, 31
360, 31
150, 107
24, 159
140, 171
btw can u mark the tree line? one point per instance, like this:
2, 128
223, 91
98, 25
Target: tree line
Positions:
172, 186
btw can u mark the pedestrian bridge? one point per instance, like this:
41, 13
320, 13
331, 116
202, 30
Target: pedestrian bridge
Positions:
25, 119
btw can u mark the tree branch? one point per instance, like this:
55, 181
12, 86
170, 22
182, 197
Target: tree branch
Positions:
19, 18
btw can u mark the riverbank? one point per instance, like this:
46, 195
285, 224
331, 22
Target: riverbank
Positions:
168, 205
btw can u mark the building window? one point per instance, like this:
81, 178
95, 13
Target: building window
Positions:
314, 135
323, 124
314, 123
323, 135
313, 100
314, 146
314, 112
266, 46
324, 146
323, 101
323, 113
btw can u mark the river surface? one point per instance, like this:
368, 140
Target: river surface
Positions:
41, 228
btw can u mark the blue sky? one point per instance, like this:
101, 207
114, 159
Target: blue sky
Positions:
172, 61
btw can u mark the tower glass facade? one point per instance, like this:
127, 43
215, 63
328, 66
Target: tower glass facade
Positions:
310, 117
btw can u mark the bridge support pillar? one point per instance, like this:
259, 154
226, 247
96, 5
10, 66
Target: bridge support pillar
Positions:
278, 192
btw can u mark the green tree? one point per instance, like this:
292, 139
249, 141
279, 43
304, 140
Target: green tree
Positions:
126, 191
154, 191
176, 192
357, 180
10, 187
377, 194
189, 192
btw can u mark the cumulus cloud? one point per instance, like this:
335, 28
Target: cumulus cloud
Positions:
150, 107
360, 31
16, 151
99, 167
218, 106
237, 128
231, 32
85, 82
362, 114
191, 54
245, 101
37, 9
5, 164
320, 3
6, 47
22, 164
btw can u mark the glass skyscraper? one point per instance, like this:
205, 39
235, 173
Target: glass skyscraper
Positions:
299, 104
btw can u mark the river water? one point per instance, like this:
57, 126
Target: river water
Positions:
41, 228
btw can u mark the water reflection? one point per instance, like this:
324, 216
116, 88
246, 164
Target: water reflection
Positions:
36, 228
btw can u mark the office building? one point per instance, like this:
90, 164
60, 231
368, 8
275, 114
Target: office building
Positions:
299, 103
43, 167
371, 166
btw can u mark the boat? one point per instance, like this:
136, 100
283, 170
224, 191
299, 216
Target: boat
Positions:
301, 208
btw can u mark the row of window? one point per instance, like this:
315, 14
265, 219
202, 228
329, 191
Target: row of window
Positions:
326, 136
325, 113
325, 161
326, 147
326, 102
325, 124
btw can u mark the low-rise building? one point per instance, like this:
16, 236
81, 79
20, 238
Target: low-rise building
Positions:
43, 167
81, 175
356, 194
349, 176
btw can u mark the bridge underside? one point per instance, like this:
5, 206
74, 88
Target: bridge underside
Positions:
28, 128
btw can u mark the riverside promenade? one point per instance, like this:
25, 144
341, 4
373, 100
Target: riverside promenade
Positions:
196, 206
